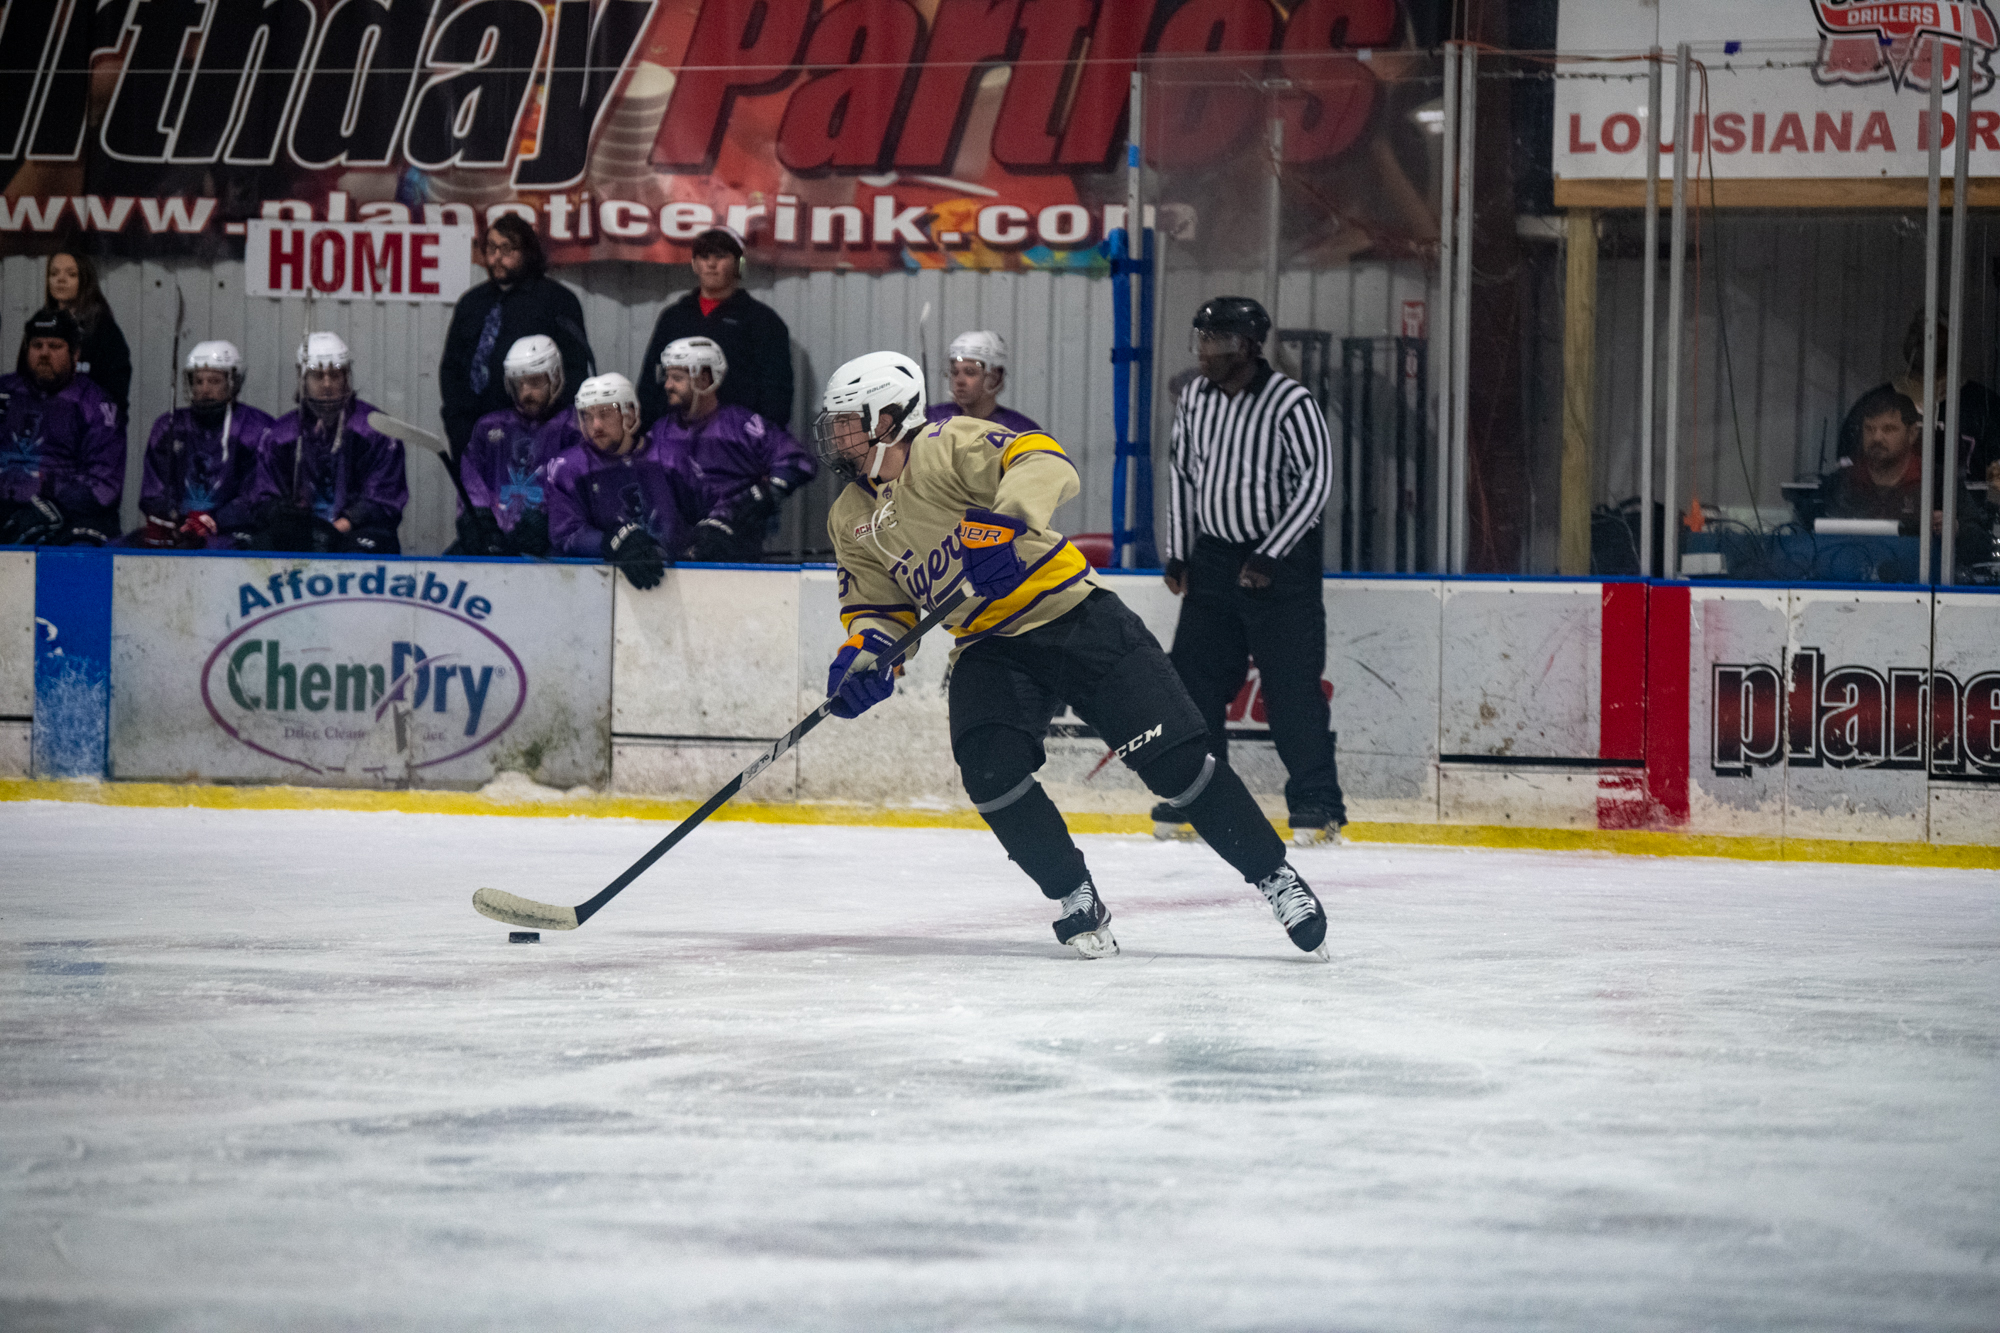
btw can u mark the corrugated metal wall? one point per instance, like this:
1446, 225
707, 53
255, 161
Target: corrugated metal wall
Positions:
1057, 325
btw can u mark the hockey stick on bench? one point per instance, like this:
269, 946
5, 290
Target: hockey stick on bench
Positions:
384, 424
518, 911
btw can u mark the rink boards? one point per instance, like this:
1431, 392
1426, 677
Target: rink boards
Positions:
1749, 711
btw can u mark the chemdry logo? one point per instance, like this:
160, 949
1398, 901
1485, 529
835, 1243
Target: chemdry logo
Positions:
363, 674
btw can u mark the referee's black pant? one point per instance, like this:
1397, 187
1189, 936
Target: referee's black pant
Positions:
1223, 626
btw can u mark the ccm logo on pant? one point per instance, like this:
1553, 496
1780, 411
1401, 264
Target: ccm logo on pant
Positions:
1139, 740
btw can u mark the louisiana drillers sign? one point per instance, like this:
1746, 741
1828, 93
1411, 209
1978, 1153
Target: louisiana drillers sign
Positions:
359, 673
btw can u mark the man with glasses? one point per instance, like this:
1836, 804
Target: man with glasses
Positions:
517, 301
1252, 469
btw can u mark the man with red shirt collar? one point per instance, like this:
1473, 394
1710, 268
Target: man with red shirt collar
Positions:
753, 338
1887, 477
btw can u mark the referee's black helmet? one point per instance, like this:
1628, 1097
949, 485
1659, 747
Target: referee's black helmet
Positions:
1233, 314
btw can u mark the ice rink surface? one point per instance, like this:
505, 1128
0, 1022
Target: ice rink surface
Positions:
269, 1070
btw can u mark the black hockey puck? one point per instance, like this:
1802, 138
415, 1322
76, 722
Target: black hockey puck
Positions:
524, 937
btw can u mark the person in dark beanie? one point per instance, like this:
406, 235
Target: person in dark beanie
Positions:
753, 338
70, 284
62, 449
517, 301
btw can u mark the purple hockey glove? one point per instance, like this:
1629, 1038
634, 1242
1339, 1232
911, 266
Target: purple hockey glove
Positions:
864, 689
991, 562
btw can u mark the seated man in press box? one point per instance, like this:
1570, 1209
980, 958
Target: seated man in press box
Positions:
330, 482
1885, 480
742, 465
616, 496
62, 459
506, 457
201, 461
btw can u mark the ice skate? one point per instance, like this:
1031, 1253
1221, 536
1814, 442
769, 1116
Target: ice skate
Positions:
1326, 835
1170, 825
1297, 908
1085, 923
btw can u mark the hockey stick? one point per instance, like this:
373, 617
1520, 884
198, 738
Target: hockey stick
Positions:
518, 911
385, 424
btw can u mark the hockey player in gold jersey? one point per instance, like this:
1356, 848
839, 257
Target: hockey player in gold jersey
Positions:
931, 504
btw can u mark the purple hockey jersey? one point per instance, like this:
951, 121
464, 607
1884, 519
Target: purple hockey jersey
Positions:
65, 445
729, 451
1000, 416
592, 495
193, 469
506, 461
359, 477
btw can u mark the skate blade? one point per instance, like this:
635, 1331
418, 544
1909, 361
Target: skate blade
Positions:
1317, 837
1175, 832
1095, 943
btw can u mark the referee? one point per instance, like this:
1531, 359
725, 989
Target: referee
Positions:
1252, 469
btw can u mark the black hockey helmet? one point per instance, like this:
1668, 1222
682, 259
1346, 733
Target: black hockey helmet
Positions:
1233, 314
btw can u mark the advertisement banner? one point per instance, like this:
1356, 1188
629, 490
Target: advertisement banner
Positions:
356, 673
1787, 90
856, 134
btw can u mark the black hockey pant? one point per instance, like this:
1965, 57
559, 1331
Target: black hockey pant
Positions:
1100, 659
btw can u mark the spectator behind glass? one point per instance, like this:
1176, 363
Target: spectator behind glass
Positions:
1978, 411
753, 338
1884, 479
517, 301
70, 283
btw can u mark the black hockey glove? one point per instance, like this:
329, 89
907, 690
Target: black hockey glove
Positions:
531, 535
755, 506
285, 528
479, 533
633, 550
33, 523
714, 541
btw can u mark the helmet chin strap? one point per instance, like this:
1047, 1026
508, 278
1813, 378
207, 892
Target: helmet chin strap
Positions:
887, 442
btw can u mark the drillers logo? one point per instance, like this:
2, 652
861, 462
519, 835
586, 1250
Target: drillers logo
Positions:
1854, 717
1897, 41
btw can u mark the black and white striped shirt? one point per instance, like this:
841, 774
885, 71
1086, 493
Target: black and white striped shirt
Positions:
1254, 468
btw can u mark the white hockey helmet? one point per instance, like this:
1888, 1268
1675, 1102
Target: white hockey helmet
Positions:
216, 355
693, 355
986, 347
536, 354
605, 391
867, 387
326, 351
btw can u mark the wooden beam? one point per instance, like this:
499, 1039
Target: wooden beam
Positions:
1816, 192
1579, 416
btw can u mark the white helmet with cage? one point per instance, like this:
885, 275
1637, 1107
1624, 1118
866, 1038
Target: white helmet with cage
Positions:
216, 355
606, 391
326, 351
986, 347
869, 386
694, 355
536, 354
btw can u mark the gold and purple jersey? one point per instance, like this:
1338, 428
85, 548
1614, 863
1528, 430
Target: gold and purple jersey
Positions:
897, 541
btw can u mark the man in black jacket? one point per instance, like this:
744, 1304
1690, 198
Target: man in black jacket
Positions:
517, 302
755, 341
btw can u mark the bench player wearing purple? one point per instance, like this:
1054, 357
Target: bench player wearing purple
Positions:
742, 465
978, 370
616, 496
329, 481
62, 458
506, 457
196, 485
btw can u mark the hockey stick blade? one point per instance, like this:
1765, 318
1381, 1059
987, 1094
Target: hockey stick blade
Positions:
518, 911
385, 424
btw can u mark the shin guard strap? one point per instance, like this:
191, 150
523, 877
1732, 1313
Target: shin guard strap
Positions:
1195, 788
1020, 789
